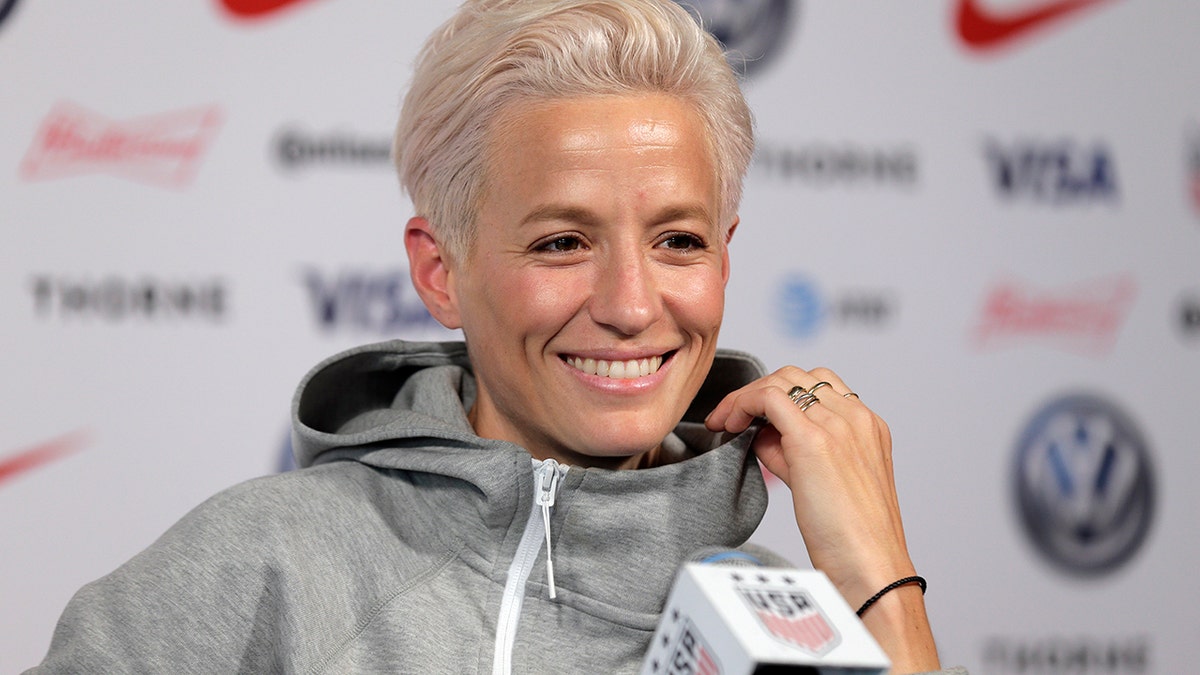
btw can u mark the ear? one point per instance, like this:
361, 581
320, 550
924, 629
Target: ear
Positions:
725, 249
432, 273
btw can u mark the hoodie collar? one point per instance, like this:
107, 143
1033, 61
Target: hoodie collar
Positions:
402, 405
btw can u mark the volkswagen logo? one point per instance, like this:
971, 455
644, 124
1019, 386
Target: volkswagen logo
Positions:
752, 31
1084, 484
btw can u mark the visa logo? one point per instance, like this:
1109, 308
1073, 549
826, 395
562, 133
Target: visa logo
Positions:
371, 301
1056, 173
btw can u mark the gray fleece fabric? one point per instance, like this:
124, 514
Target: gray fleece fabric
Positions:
388, 551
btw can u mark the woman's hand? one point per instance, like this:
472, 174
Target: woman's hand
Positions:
836, 457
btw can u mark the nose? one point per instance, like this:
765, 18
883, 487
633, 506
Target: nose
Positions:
625, 294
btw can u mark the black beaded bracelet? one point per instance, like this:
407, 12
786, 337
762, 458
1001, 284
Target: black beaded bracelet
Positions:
920, 581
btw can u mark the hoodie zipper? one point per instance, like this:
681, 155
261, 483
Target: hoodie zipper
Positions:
547, 476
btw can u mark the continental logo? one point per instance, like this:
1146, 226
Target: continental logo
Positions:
295, 149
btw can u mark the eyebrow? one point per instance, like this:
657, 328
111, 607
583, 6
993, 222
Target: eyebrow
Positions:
583, 216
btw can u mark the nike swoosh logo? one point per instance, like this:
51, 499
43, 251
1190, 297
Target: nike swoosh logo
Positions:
981, 28
31, 458
253, 9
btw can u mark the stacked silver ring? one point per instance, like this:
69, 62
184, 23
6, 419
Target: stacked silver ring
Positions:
802, 397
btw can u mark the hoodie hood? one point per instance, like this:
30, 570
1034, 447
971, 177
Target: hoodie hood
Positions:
406, 391
402, 406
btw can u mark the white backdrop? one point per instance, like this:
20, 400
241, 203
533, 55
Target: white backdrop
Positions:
196, 206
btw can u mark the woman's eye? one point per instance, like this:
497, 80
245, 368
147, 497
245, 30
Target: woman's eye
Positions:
683, 242
562, 245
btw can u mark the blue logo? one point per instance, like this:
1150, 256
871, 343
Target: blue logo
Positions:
802, 307
752, 31
805, 310
376, 302
1054, 173
1084, 484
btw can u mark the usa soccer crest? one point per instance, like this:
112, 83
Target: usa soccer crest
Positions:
792, 616
683, 651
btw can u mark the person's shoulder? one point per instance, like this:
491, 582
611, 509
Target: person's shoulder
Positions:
269, 511
331, 482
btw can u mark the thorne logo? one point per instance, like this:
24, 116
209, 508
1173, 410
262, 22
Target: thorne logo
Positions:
1084, 318
1078, 655
160, 150
116, 299
836, 164
1062, 172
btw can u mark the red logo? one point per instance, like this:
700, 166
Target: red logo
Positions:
30, 458
984, 29
1083, 318
256, 9
160, 149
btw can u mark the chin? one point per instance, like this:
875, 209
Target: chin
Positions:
624, 446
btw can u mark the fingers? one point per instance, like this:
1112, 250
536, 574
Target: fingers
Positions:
768, 397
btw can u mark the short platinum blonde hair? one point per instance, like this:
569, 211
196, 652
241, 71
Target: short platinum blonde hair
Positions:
493, 54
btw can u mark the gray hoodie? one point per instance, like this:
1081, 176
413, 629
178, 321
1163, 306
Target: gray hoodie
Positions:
408, 544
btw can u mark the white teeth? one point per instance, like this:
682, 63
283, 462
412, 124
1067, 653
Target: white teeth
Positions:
617, 370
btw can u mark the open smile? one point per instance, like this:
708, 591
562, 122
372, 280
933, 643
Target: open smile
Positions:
617, 369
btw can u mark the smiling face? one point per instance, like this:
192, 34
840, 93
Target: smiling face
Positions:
593, 292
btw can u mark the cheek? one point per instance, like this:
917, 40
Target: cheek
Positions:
531, 301
699, 303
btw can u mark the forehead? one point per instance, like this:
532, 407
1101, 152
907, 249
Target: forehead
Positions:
534, 142
583, 123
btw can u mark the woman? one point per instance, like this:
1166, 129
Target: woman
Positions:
522, 501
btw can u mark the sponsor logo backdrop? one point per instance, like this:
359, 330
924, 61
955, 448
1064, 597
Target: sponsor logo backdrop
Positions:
983, 213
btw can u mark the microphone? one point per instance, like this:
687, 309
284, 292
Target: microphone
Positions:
729, 613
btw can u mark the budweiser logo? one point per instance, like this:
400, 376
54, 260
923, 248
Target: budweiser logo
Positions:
1083, 318
159, 149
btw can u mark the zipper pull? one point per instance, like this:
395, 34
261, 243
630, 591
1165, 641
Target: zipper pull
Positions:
546, 479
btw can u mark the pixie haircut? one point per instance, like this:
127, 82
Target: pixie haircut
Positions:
494, 54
